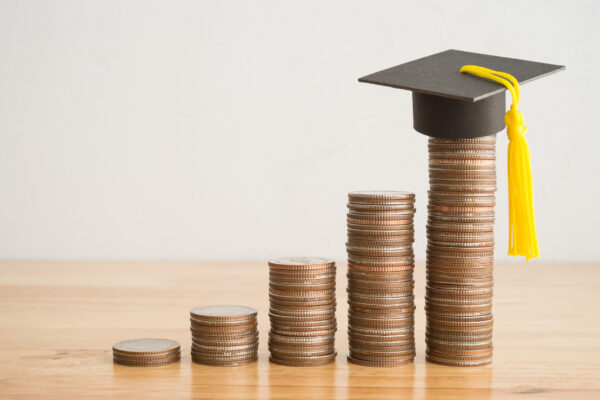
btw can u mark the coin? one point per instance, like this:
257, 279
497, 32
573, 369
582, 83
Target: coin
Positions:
224, 335
223, 313
460, 250
146, 352
302, 310
302, 262
389, 364
146, 346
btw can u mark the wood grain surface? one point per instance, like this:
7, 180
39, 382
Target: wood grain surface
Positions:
58, 321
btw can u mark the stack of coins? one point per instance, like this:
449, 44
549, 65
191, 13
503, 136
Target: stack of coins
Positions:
460, 250
224, 335
146, 352
380, 278
302, 311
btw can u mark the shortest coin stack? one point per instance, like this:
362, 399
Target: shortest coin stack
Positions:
146, 352
302, 312
224, 335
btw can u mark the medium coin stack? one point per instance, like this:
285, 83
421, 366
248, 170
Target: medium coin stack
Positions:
460, 250
380, 278
146, 352
302, 311
224, 336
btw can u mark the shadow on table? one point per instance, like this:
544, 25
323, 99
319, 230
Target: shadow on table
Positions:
241, 382
305, 383
380, 383
466, 383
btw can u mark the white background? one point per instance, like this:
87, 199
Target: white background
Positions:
230, 130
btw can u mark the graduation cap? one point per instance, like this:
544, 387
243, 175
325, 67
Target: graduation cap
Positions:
451, 100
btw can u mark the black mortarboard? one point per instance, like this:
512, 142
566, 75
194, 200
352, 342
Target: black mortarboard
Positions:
449, 104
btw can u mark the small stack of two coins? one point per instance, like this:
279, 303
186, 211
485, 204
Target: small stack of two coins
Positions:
380, 278
302, 311
460, 250
224, 335
146, 352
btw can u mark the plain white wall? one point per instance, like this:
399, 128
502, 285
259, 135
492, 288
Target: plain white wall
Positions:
233, 130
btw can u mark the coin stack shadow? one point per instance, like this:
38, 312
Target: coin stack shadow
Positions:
146, 352
380, 278
302, 311
224, 335
460, 251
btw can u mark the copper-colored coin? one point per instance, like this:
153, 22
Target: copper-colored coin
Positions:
291, 299
305, 361
292, 356
455, 363
304, 326
460, 245
398, 267
145, 363
291, 288
394, 313
222, 355
225, 343
224, 363
302, 306
381, 207
378, 286
372, 344
374, 223
327, 346
381, 338
459, 355
449, 292
382, 356
316, 314
209, 348
381, 243
317, 294
145, 358
304, 333
378, 307
384, 281
230, 330
380, 231
366, 363
274, 318
379, 325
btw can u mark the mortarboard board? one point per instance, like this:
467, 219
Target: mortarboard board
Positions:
448, 104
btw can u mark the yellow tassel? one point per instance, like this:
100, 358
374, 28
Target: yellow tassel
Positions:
522, 236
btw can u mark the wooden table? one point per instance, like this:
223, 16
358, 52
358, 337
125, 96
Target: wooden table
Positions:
58, 321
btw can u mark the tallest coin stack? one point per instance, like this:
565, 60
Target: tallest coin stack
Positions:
460, 250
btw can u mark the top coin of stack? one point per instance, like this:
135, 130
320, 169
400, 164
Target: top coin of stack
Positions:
380, 278
146, 352
302, 311
460, 250
224, 335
